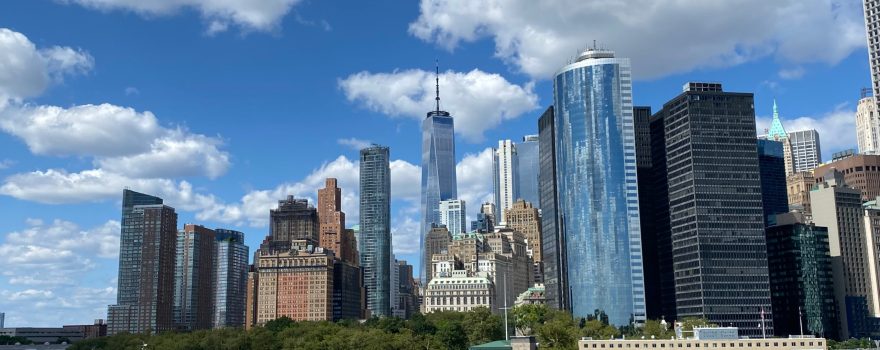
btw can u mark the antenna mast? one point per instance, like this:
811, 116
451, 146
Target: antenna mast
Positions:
437, 81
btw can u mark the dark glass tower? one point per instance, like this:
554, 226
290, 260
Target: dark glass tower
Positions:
374, 242
552, 241
774, 192
147, 248
231, 278
194, 278
647, 205
527, 165
719, 252
438, 169
597, 191
801, 281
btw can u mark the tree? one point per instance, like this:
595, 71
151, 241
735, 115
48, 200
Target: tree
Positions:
528, 316
559, 331
279, 324
452, 335
482, 326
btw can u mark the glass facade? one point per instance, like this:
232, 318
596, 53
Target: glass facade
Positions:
552, 242
231, 279
597, 187
527, 170
774, 192
374, 241
438, 171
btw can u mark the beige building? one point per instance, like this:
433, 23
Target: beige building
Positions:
868, 126
436, 242
739, 344
799, 186
839, 208
523, 217
458, 290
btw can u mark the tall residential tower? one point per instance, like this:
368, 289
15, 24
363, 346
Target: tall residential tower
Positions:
374, 241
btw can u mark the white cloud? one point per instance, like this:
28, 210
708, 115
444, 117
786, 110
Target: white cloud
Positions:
354, 143
52, 307
6, 163
661, 37
405, 235
26, 71
792, 73
131, 90
260, 15
837, 128
477, 100
474, 175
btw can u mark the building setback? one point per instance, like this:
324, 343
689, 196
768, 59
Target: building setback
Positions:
553, 242
145, 295
801, 280
719, 255
597, 190
374, 242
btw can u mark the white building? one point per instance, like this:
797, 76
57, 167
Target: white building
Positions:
504, 168
806, 154
458, 291
454, 215
868, 126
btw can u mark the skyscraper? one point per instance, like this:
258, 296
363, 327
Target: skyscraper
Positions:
771, 161
231, 273
806, 154
438, 168
375, 227
333, 234
868, 126
527, 164
436, 242
294, 219
553, 242
454, 215
719, 254
872, 29
194, 279
838, 207
597, 189
504, 163
147, 245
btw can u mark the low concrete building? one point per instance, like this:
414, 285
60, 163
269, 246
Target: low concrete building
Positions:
44, 334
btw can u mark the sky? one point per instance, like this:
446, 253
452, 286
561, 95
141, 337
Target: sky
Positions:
223, 107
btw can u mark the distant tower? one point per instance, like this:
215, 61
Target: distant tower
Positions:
868, 126
438, 167
504, 163
453, 215
374, 241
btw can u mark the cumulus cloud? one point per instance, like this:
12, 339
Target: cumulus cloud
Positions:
405, 235
837, 128
26, 71
219, 15
661, 37
477, 100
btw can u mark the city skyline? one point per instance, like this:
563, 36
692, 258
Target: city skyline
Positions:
232, 172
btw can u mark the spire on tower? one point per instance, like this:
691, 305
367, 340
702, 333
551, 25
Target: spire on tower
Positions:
437, 81
776, 132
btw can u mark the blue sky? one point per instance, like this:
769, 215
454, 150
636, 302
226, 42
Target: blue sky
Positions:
223, 108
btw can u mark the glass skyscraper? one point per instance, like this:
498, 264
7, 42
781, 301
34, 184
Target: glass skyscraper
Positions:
774, 194
527, 170
231, 270
374, 241
553, 243
438, 170
597, 187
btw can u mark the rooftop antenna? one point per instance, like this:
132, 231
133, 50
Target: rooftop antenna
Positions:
437, 81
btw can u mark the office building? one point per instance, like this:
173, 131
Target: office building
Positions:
438, 169
374, 244
711, 165
806, 153
801, 280
231, 274
407, 293
525, 219
504, 166
297, 283
147, 247
459, 291
553, 243
649, 207
799, 186
872, 29
860, 171
453, 215
527, 165
868, 126
194, 279
436, 242
774, 195
597, 190
838, 207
